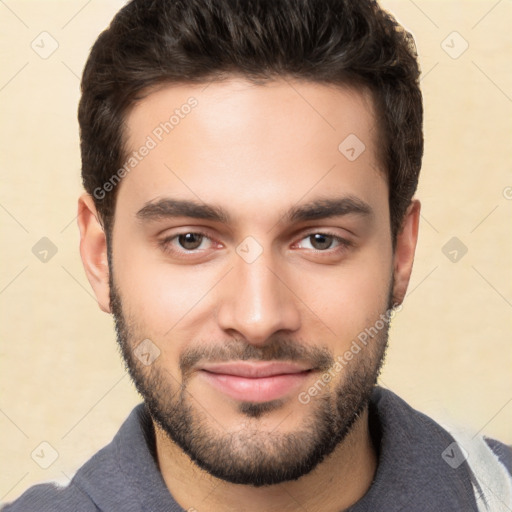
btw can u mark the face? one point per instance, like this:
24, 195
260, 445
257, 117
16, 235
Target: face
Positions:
251, 253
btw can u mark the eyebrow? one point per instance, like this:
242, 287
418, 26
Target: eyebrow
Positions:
314, 210
328, 207
168, 208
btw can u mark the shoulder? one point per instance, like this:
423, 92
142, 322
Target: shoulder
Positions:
434, 466
502, 451
77, 495
99, 480
52, 498
490, 465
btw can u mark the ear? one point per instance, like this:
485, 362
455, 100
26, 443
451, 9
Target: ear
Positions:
93, 250
404, 251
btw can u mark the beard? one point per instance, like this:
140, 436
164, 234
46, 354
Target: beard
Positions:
251, 455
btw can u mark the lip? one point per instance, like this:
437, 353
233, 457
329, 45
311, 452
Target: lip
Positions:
255, 382
254, 370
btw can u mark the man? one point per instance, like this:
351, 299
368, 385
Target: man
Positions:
250, 223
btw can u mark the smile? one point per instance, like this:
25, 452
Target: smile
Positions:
255, 382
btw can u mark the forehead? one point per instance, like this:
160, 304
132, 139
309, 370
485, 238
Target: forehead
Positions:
234, 142
239, 106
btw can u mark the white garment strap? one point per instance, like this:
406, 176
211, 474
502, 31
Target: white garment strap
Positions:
495, 493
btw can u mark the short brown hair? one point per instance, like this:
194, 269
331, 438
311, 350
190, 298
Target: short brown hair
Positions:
153, 42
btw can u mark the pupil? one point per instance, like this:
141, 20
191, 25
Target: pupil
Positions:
190, 240
320, 241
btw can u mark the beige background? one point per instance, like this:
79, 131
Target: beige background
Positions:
62, 381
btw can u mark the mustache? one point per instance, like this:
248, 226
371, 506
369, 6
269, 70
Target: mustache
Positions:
319, 358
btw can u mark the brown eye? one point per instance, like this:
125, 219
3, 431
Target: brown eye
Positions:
320, 242
190, 241
189, 245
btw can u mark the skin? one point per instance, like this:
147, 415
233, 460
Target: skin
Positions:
256, 151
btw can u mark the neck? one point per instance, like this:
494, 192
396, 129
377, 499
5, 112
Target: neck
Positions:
335, 484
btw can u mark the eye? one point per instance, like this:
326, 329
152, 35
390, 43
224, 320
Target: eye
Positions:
322, 242
190, 242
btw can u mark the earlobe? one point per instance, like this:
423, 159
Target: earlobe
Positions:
404, 251
93, 250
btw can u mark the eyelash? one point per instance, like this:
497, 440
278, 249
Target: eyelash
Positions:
166, 243
342, 242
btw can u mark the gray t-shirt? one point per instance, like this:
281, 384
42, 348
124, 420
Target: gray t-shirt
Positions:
413, 473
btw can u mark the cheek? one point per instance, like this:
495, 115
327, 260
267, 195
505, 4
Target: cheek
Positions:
350, 297
163, 304
163, 297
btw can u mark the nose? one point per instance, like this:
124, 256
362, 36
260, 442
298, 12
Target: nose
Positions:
256, 303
